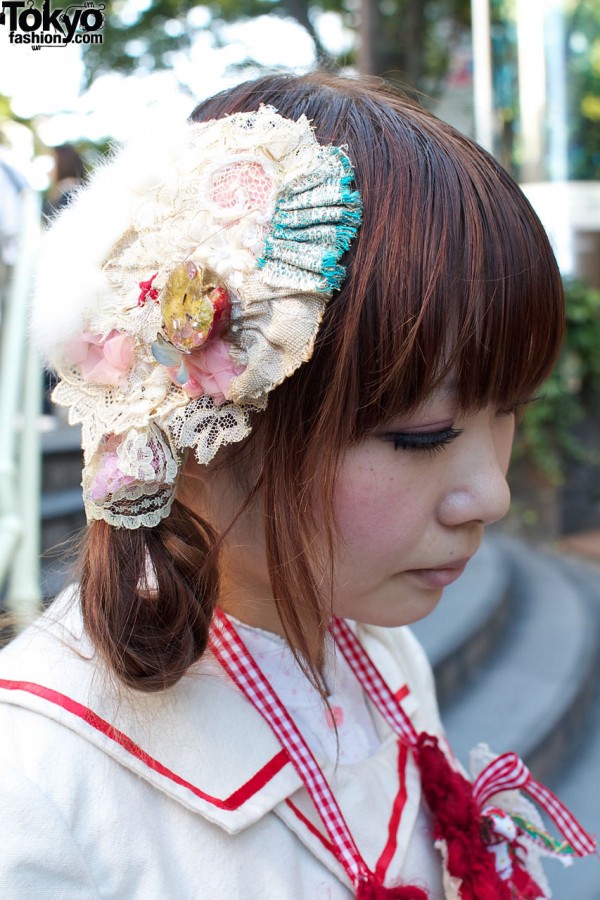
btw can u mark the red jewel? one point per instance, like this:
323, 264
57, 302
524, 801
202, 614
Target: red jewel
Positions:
221, 301
147, 291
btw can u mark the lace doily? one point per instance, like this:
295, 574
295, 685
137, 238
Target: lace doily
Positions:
194, 272
207, 427
130, 479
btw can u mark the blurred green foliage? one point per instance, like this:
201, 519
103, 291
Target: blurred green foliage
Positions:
410, 40
546, 436
583, 89
579, 24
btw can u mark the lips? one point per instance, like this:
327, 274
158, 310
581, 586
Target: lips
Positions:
440, 576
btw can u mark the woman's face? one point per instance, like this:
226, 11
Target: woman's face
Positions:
411, 505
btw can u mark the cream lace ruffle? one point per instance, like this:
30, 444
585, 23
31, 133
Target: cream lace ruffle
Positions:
207, 427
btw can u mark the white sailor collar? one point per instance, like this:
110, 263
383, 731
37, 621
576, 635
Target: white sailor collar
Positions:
200, 742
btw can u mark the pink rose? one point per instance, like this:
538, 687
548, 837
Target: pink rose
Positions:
211, 371
108, 478
102, 360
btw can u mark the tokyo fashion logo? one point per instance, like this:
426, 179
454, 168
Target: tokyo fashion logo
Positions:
79, 23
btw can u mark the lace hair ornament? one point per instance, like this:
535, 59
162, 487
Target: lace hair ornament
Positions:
182, 285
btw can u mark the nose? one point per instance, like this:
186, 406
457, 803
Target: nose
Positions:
477, 490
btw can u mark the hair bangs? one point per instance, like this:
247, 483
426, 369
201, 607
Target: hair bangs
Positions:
461, 283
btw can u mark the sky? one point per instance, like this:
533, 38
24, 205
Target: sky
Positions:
47, 83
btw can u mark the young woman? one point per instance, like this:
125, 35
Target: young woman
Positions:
295, 331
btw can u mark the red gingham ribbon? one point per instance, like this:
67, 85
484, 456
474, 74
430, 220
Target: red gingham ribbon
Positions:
233, 655
505, 773
372, 682
508, 772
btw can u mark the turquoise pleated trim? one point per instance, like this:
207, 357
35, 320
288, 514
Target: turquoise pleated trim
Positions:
314, 224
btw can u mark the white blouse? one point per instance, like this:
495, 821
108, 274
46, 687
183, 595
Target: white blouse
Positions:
344, 733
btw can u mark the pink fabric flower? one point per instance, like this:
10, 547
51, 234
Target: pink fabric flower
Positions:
108, 478
211, 371
102, 360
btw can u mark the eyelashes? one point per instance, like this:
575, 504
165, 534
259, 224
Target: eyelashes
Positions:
433, 441
428, 442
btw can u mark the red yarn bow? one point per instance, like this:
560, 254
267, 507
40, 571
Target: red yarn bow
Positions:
457, 822
457, 805
372, 890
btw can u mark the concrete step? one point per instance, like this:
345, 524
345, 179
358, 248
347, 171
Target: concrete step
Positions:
62, 516
62, 457
55, 575
533, 694
579, 787
578, 783
469, 622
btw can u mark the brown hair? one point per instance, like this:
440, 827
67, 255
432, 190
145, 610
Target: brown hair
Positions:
451, 271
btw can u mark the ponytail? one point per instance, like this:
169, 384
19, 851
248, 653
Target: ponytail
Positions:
147, 596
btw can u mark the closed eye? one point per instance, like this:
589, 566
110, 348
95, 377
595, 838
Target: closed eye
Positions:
429, 442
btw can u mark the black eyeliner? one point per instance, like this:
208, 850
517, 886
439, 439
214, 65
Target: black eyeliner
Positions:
429, 441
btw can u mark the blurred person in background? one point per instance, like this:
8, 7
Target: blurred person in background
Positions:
67, 175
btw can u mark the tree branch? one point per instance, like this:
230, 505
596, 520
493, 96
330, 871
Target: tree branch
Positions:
298, 10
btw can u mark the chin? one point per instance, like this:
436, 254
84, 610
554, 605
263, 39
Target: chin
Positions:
397, 612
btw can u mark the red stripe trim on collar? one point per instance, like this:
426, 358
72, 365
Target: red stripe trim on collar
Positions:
312, 828
233, 802
388, 851
391, 845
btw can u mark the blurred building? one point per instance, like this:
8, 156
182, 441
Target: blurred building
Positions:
537, 107
12, 184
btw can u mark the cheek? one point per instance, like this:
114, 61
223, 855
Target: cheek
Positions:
376, 504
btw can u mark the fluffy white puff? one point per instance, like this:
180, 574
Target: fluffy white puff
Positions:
70, 283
